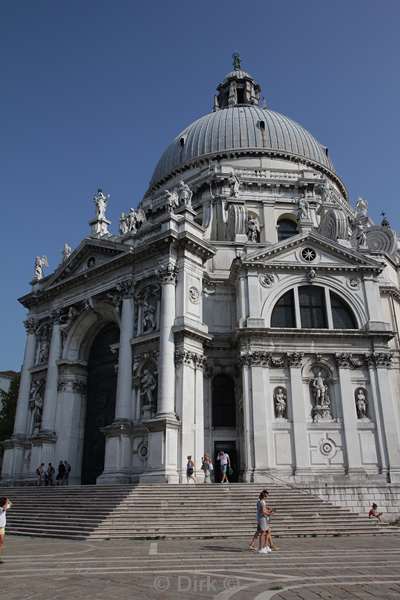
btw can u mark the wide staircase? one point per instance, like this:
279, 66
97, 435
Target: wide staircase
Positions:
161, 511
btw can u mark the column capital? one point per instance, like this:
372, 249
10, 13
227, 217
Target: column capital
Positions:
346, 360
382, 359
193, 359
56, 316
125, 289
295, 359
167, 274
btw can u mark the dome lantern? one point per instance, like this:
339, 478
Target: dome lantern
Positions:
238, 88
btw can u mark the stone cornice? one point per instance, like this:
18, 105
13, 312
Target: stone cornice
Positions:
344, 360
278, 333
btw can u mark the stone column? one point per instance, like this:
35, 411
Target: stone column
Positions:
166, 377
382, 361
14, 449
299, 417
349, 413
22, 412
123, 407
71, 414
118, 451
189, 379
248, 437
261, 430
50, 394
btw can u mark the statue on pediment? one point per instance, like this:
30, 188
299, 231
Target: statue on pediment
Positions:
100, 199
67, 251
172, 199
361, 208
41, 263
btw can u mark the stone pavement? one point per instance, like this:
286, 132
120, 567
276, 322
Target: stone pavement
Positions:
339, 568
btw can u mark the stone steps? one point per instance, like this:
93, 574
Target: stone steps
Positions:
160, 511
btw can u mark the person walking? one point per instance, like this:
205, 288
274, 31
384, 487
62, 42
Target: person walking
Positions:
60, 473
67, 472
190, 468
5, 504
263, 514
207, 467
224, 465
41, 475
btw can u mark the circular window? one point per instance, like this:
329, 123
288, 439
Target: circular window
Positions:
308, 254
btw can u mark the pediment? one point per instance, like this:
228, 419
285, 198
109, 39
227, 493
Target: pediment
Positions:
293, 252
89, 255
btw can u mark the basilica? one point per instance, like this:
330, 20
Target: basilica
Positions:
244, 306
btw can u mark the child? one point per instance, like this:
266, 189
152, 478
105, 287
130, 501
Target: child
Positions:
373, 513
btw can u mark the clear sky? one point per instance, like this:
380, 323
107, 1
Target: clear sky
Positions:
92, 91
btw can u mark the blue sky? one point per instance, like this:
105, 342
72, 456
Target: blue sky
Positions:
93, 91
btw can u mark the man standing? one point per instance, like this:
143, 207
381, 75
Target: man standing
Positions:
5, 504
224, 464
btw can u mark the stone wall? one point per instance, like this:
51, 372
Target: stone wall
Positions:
359, 498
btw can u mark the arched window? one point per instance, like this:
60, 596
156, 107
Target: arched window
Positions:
342, 315
286, 228
223, 402
310, 303
312, 307
283, 314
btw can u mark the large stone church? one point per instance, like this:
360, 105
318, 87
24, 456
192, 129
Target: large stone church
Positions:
245, 305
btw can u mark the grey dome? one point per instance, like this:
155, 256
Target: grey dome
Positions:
243, 129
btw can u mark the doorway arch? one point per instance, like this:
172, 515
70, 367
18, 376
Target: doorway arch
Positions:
100, 406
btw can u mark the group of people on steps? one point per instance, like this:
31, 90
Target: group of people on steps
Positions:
207, 467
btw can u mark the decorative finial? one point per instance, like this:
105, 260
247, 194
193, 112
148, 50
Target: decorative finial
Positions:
41, 263
236, 61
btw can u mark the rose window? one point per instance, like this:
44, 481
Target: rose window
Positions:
308, 254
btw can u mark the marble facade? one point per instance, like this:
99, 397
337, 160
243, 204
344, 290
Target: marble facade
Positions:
207, 354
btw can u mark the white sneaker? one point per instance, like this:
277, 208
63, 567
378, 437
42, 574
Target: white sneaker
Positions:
262, 551
268, 549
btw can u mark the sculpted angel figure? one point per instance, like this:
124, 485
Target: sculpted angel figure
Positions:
303, 212
36, 404
172, 199
148, 385
361, 208
41, 263
67, 250
184, 194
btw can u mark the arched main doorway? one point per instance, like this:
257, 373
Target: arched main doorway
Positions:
100, 408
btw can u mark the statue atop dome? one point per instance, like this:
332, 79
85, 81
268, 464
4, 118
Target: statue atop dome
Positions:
236, 61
